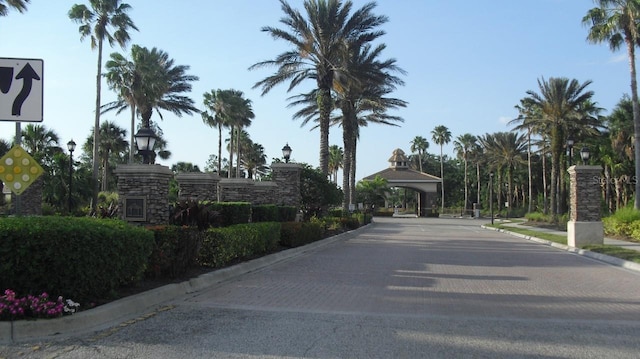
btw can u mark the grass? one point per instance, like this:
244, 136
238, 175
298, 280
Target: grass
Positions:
613, 251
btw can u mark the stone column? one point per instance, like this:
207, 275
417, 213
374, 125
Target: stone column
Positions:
198, 186
143, 193
287, 177
585, 224
30, 199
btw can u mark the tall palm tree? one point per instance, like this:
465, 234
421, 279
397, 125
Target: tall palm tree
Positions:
254, 160
419, 145
219, 109
336, 157
112, 149
105, 20
319, 42
463, 146
151, 81
40, 142
616, 22
122, 77
5, 5
441, 136
243, 113
564, 106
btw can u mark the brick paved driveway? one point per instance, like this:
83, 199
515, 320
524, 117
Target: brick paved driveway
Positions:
400, 288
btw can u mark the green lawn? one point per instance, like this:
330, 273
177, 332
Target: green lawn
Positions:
614, 251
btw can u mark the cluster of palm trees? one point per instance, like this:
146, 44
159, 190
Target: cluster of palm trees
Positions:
332, 46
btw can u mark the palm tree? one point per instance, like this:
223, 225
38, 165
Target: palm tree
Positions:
336, 157
419, 145
463, 146
254, 160
106, 20
40, 142
616, 22
319, 43
20, 5
564, 107
441, 136
243, 113
112, 149
219, 109
122, 77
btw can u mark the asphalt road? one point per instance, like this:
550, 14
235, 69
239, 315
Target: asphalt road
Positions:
400, 288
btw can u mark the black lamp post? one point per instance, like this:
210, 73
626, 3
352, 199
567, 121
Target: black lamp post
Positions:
286, 153
71, 146
491, 195
145, 140
584, 154
570, 143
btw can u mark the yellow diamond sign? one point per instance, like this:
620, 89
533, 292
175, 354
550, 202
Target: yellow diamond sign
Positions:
18, 170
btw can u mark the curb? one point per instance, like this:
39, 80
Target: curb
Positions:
618, 262
124, 309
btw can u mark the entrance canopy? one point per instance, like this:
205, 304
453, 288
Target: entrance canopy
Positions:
400, 175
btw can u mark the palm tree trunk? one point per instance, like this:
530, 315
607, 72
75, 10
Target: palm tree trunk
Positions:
347, 133
231, 152
636, 116
96, 131
530, 207
324, 106
352, 175
545, 199
219, 148
105, 164
238, 152
478, 179
442, 178
466, 185
133, 139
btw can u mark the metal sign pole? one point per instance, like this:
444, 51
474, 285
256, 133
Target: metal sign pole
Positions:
18, 140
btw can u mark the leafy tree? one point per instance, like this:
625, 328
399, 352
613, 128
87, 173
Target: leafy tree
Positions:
441, 136
5, 5
105, 20
182, 167
317, 192
373, 192
41, 143
419, 145
616, 23
318, 44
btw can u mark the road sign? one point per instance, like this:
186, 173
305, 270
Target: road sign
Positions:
21, 90
18, 170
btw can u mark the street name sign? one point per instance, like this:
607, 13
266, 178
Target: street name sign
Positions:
21, 90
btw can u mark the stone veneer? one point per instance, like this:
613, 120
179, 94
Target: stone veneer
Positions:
584, 226
287, 177
30, 199
147, 182
198, 186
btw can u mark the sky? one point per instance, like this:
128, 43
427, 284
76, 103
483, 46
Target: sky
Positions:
468, 64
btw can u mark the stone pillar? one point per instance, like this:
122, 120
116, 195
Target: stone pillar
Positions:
585, 224
143, 193
198, 186
30, 199
287, 177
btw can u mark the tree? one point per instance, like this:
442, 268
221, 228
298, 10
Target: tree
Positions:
41, 143
254, 160
106, 20
316, 192
122, 77
419, 145
373, 192
112, 150
20, 5
616, 22
318, 46
463, 146
441, 136
183, 167
564, 107
219, 108
336, 155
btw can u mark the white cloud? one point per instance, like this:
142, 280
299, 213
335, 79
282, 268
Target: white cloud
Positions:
619, 58
504, 119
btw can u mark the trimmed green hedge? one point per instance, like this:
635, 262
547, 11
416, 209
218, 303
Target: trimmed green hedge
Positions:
221, 246
295, 234
232, 212
264, 213
84, 259
175, 250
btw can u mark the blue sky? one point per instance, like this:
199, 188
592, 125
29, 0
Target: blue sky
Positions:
468, 64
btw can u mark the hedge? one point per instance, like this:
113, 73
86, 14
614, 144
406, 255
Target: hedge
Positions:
175, 250
222, 246
84, 259
295, 234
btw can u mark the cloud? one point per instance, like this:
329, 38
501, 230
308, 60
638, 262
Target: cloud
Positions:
618, 58
504, 119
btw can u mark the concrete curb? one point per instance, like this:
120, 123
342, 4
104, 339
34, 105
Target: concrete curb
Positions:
583, 252
124, 309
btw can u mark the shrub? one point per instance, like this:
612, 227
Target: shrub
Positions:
349, 223
537, 217
264, 213
294, 234
81, 258
232, 212
194, 213
287, 213
221, 246
175, 250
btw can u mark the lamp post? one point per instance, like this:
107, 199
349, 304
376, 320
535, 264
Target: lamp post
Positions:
286, 153
71, 146
570, 143
584, 154
145, 140
491, 195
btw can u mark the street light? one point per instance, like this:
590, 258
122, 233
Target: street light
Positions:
570, 143
584, 154
71, 146
491, 195
286, 153
145, 140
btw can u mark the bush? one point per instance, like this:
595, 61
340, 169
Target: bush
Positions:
264, 213
623, 223
175, 250
194, 213
86, 259
232, 212
537, 217
287, 213
221, 246
295, 234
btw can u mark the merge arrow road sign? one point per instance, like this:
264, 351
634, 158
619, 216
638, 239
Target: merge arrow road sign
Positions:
21, 90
